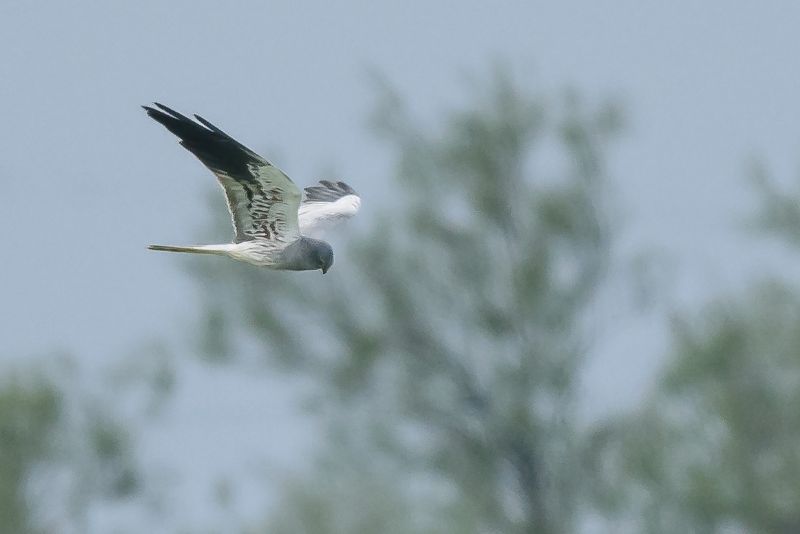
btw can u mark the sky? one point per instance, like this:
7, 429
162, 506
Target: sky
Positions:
89, 181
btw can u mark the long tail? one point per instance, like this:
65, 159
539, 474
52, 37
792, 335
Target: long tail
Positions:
203, 249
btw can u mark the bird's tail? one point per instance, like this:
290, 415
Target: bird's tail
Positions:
202, 249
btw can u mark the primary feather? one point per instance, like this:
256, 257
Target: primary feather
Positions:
326, 205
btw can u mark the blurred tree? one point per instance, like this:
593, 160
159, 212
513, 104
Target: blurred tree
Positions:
60, 452
779, 213
348, 495
28, 415
445, 345
715, 448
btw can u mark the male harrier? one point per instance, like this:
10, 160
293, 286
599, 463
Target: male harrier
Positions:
272, 223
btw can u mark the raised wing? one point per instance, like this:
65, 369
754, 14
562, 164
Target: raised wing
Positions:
325, 205
263, 201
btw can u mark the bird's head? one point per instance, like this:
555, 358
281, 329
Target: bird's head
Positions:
324, 256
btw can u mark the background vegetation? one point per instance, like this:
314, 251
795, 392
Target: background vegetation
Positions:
441, 360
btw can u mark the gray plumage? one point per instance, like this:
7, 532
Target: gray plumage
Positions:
306, 254
272, 222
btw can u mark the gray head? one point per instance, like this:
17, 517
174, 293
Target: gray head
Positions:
324, 255
306, 254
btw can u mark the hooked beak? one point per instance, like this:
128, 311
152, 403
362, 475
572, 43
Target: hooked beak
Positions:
325, 269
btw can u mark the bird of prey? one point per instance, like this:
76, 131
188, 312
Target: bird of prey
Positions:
275, 225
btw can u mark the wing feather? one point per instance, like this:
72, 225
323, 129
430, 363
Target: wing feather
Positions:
262, 200
326, 205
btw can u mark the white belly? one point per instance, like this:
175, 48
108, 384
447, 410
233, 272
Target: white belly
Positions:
253, 252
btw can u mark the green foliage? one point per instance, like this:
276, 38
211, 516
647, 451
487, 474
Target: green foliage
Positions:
716, 446
448, 338
59, 452
779, 213
29, 412
347, 497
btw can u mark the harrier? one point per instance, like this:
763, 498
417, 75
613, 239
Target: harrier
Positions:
275, 224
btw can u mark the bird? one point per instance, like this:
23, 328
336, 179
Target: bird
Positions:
275, 225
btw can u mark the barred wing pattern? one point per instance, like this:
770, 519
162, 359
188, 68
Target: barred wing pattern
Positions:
325, 205
262, 200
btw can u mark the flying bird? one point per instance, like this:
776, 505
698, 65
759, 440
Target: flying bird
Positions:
275, 225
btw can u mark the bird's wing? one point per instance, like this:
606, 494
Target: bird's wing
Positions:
325, 205
263, 201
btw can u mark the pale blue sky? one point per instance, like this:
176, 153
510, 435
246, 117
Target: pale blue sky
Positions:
89, 181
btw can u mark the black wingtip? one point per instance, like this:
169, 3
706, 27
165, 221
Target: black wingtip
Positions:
155, 113
162, 107
217, 150
171, 112
346, 188
208, 125
328, 191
